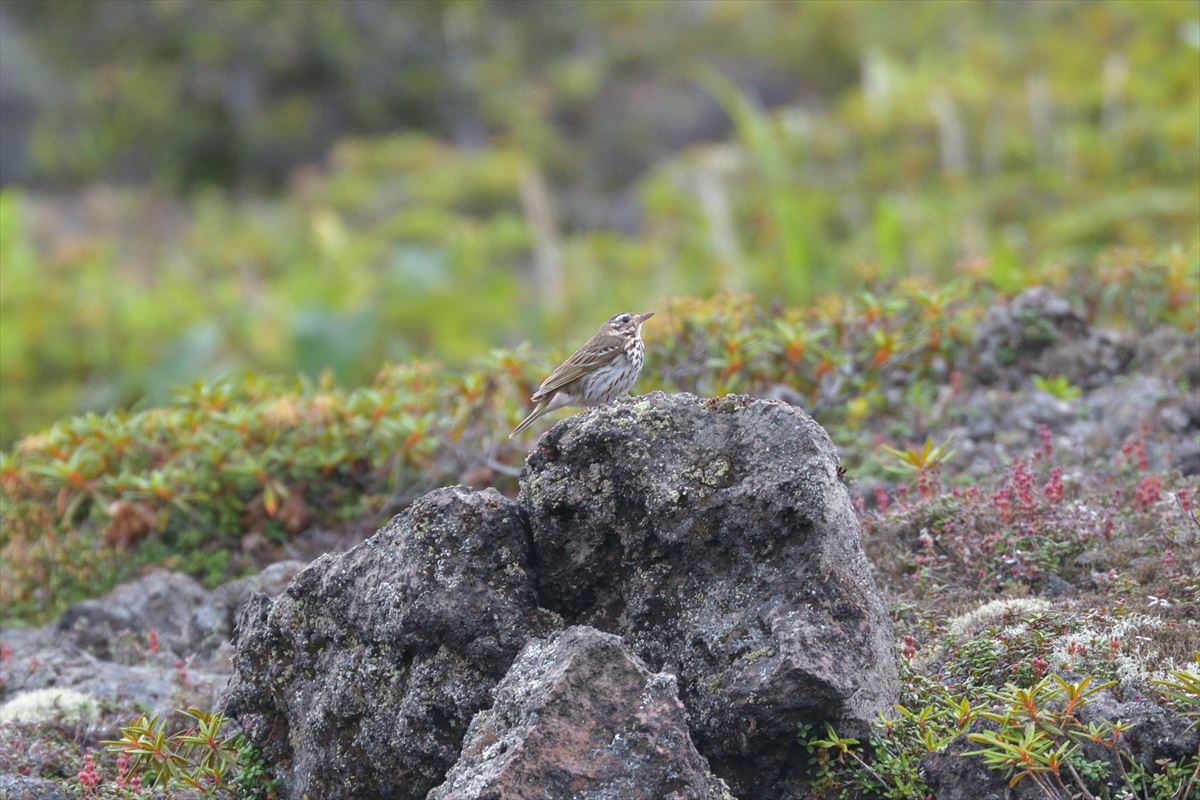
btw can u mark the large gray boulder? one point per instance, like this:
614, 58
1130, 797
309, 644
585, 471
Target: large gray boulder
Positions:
360, 680
715, 537
579, 716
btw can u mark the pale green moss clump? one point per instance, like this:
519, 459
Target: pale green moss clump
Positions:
50, 705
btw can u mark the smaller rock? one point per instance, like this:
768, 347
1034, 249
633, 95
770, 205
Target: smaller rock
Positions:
786, 394
21, 787
161, 601
1040, 333
1090, 362
102, 648
157, 687
1187, 458
1034, 409
1174, 419
1013, 335
981, 427
1096, 559
1057, 587
576, 716
1122, 407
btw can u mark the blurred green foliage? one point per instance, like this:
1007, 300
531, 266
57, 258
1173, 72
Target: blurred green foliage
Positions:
189, 91
1010, 141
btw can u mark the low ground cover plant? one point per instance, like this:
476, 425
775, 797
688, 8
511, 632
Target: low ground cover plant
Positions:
1026, 731
1019, 600
199, 484
211, 481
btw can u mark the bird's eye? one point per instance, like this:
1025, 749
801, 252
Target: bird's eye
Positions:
623, 318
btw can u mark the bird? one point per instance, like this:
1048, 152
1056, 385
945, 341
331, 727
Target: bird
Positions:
605, 368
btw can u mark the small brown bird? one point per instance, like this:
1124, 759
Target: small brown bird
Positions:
597, 373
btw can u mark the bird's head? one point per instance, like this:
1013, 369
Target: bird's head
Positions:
625, 324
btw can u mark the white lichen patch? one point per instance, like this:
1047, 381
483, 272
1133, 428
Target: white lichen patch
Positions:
50, 705
996, 612
1137, 661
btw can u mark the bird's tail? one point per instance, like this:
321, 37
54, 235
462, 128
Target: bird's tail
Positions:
538, 410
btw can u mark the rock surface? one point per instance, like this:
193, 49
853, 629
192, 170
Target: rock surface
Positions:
580, 716
186, 619
154, 644
161, 601
1156, 734
361, 679
18, 787
715, 537
213, 622
1119, 389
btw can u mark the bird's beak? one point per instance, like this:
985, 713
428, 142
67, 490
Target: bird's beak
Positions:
643, 317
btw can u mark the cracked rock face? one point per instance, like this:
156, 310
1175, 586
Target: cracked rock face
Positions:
361, 679
712, 536
580, 716
715, 537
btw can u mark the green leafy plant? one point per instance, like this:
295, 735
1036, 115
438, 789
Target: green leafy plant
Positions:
253, 779
920, 459
889, 765
201, 756
1038, 738
1058, 386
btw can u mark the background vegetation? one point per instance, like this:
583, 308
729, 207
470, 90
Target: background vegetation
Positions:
193, 189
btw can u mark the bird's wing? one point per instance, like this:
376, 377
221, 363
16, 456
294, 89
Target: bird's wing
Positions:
599, 350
